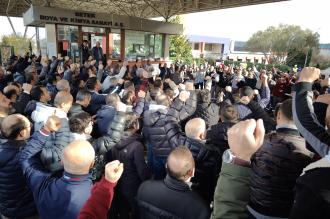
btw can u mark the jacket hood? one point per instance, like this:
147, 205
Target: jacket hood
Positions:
151, 117
127, 139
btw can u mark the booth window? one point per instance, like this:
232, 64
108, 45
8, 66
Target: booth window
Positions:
208, 47
114, 43
68, 41
143, 45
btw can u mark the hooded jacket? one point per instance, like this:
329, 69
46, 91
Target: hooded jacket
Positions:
130, 152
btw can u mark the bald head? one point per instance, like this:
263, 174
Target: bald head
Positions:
180, 164
15, 127
195, 128
78, 157
63, 85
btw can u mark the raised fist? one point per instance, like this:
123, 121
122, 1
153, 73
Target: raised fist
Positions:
246, 137
141, 94
53, 123
184, 96
113, 171
309, 74
27, 87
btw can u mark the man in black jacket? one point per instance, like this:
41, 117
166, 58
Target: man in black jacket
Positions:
312, 190
207, 157
217, 134
84, 52
206, 109
130, 152
83, 99
172, 197
276, 167
16, 200
154, 128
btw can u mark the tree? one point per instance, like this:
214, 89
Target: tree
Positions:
298, 58
180, 48
276, 42
21, 44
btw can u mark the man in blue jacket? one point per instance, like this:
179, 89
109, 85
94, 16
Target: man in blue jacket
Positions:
58, 197
16, 199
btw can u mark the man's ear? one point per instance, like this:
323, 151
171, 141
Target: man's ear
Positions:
191, 173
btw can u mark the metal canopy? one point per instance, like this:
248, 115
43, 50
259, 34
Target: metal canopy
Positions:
135, 8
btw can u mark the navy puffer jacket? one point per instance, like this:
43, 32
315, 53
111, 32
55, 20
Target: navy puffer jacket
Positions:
16, 200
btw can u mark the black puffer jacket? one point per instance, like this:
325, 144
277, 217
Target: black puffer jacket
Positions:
207, 157
209, 112
154, 131
170, 199
130, 151
217, 135
275, 169
16, 200
154, 124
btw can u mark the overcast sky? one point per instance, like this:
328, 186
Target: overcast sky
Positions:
240, 23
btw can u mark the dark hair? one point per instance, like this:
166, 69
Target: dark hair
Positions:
13, 131
204, 96
286, 109
127, 96
158, 83
16, 84
128, 84
154, 93
36, 93
228, 113
246, 91
79, 122
91, 83
9, 94
29, 77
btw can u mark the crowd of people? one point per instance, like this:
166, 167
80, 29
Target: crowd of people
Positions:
134, 140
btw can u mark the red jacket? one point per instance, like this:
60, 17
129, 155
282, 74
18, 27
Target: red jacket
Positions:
98, 204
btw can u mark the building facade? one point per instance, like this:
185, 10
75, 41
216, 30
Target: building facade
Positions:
218, 48
121, 37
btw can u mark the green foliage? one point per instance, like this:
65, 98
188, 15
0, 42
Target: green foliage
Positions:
278, 41
20, 44
298, 58
180, 48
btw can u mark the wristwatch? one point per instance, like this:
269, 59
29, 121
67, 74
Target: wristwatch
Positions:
230, 158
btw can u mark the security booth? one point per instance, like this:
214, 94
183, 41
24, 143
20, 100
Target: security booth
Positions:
121, 37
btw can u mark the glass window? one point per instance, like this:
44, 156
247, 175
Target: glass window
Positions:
208, 47
196, 46
93, 30
158, 46
143, 45
114, 43
42, 41
69, 33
